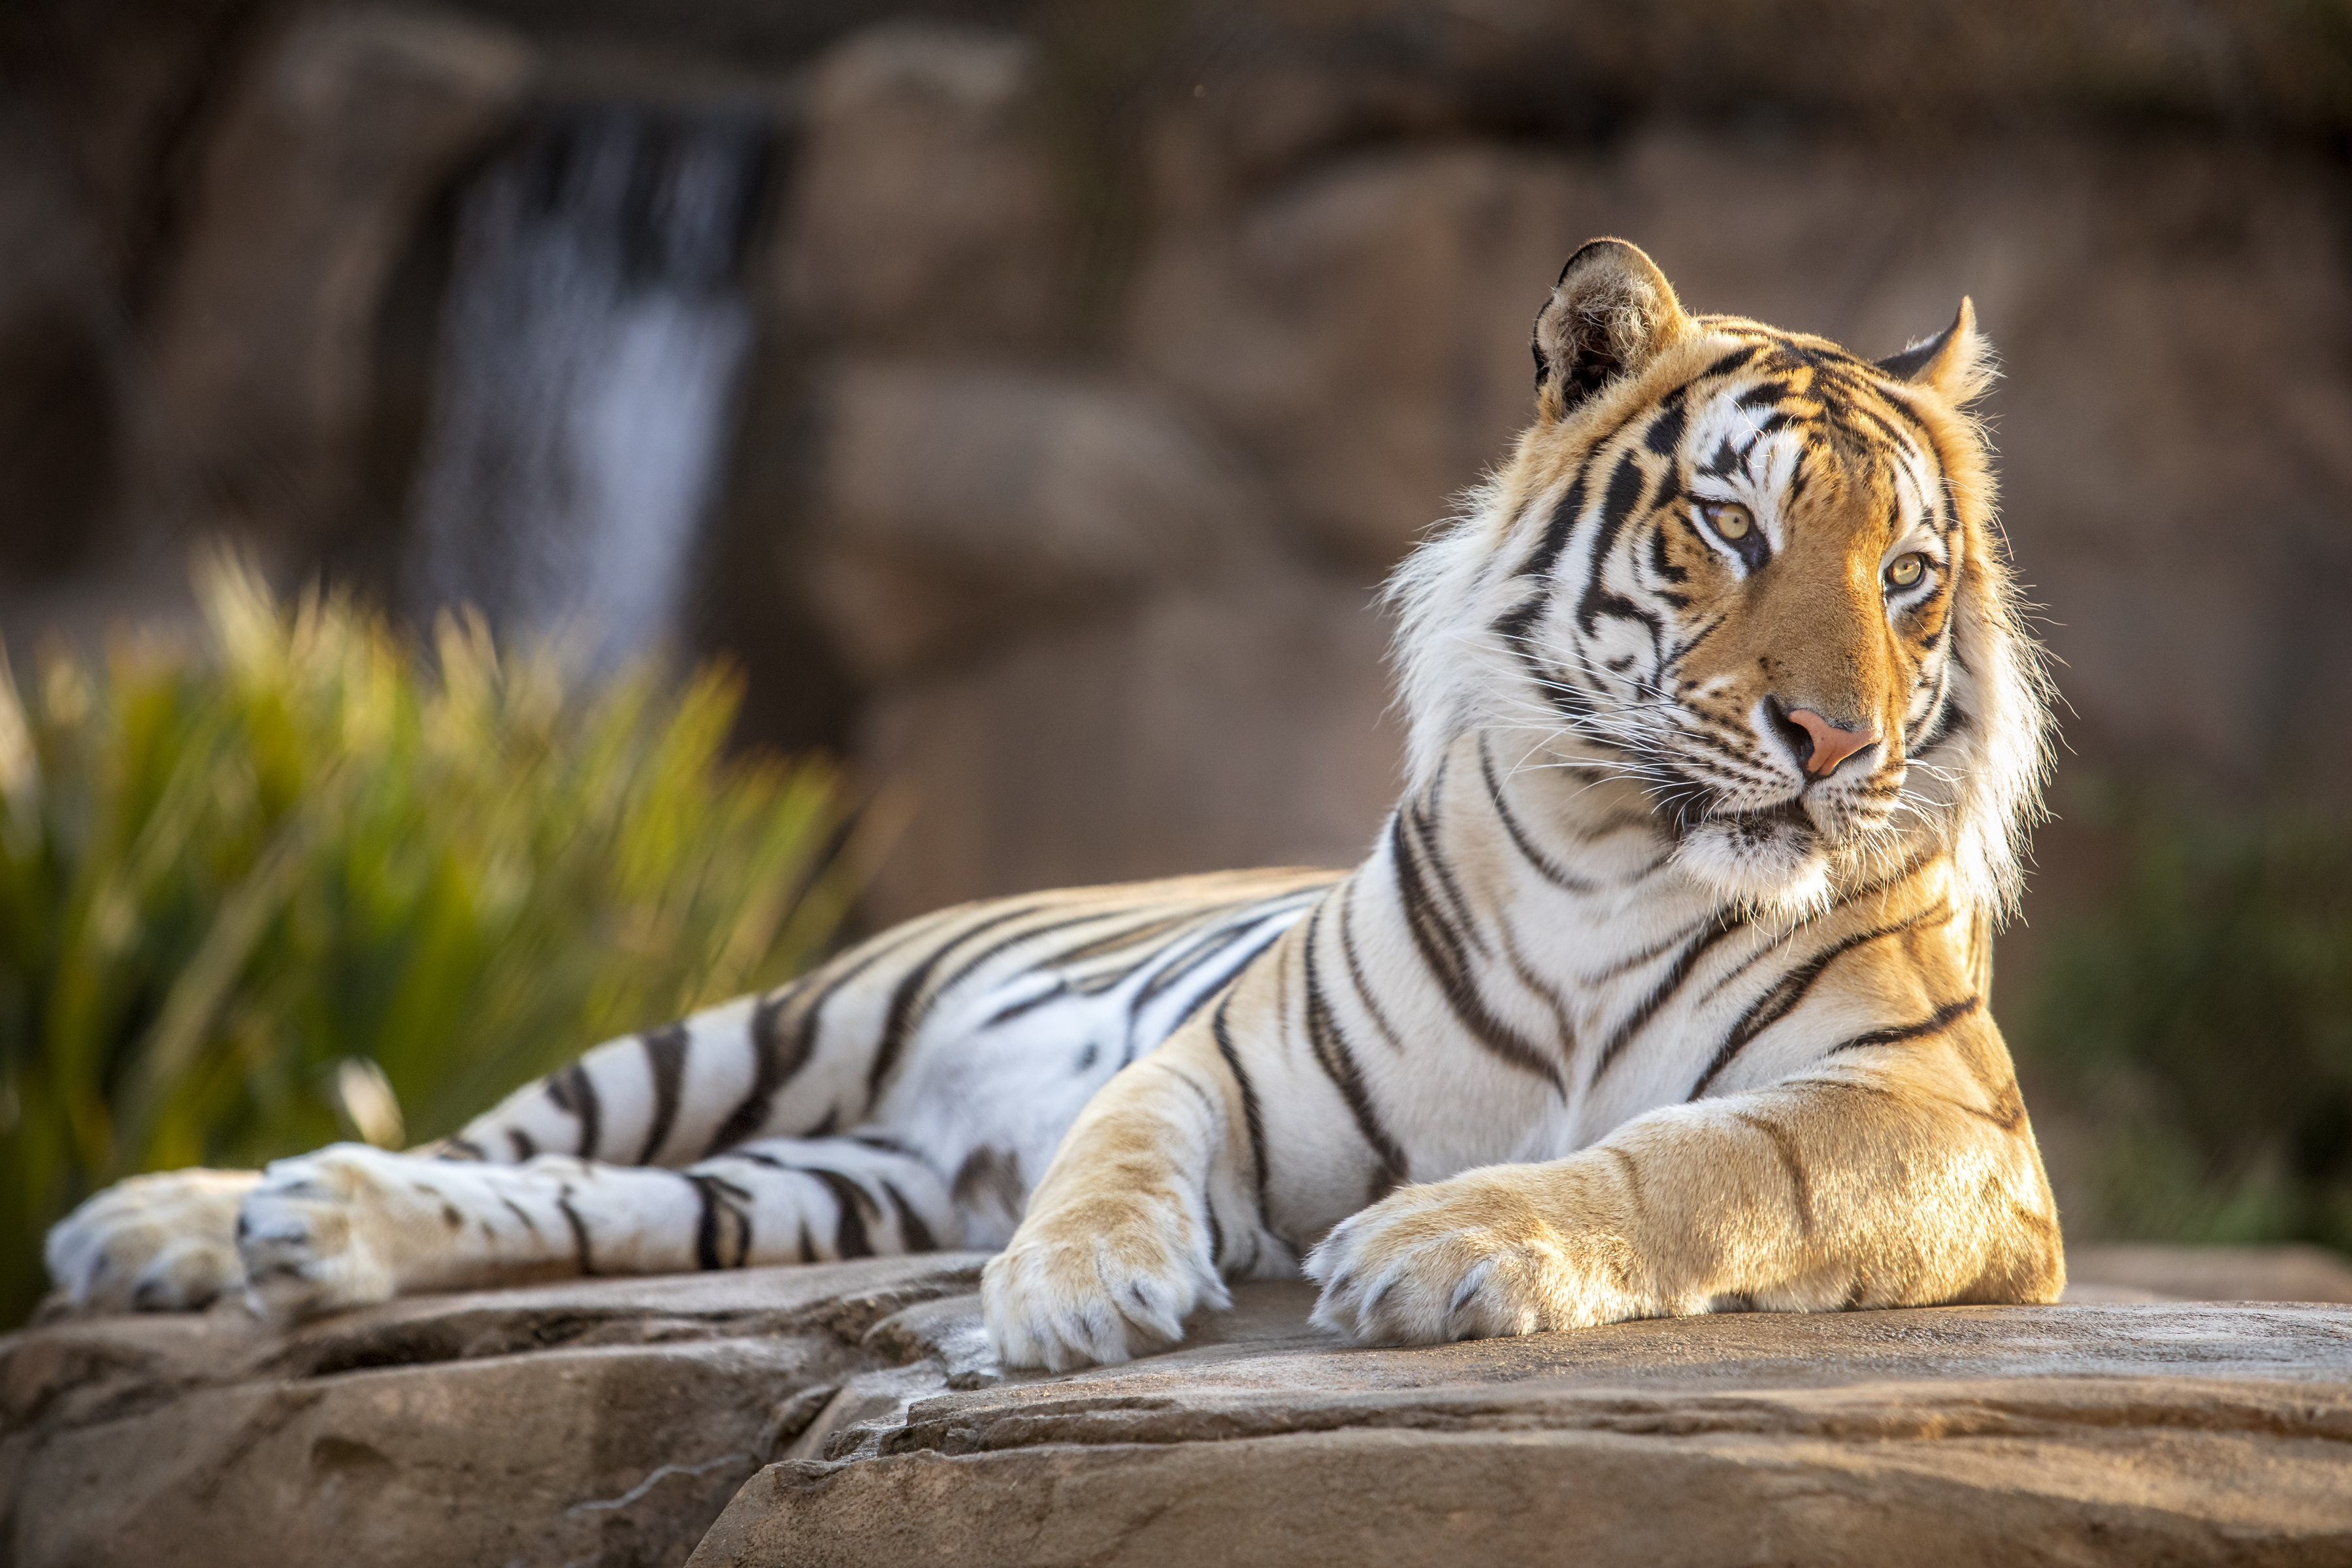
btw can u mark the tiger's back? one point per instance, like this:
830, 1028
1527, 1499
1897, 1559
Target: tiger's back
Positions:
973, 1035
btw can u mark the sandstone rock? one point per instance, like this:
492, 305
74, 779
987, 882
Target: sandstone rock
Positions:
955, 504
1242, 722
1365, 330
594, 1422
854, 1414
341, 130
922, 212
1955, 1435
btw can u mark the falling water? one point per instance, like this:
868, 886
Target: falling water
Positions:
590, 345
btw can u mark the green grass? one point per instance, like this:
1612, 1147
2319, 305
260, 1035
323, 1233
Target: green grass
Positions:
248, 889
2201, 1016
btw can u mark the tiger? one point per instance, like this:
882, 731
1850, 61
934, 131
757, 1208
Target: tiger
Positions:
1662, 991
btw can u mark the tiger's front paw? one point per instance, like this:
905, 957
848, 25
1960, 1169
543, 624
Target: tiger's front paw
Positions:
1465, 1259
325, 1231
1098, 1282
162, 1243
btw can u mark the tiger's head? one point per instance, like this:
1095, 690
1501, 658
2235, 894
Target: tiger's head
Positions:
1753, 576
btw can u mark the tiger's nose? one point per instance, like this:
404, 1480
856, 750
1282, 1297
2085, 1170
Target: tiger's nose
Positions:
1830, 745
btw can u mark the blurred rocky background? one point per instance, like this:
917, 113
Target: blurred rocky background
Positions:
1030, 394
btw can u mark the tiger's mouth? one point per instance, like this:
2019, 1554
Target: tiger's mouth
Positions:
1786, 822
1769, 819
1774, 857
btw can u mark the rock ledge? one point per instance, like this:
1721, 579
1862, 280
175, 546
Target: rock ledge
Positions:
851, 1414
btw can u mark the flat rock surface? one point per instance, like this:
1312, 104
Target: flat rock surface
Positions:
851, 1414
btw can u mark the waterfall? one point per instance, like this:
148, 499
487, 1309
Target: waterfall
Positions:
584, 384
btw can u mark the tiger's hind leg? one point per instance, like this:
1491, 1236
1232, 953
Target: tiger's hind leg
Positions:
350, 1225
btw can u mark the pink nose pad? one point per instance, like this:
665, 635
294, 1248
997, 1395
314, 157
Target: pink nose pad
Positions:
1832, 745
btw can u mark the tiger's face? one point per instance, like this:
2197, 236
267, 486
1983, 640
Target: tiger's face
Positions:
1754, 576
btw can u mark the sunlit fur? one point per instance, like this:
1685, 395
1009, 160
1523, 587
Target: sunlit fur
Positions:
1553, 688
1625, 1013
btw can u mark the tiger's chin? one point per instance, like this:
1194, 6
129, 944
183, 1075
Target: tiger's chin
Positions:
1777, 866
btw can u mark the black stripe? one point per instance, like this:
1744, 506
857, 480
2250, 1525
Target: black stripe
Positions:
1441, 952
963, 971
522, 1143
885, 1143
912, 1231
1210, 992
1201, 953
1943, 1018
1785, 1145
1250, 1115
848, 1197
1626, 483
1356, 970
457, 1148
775, 1062
665, 1061
849, 1239
1562, 521
1463, 922
1546, 867
1673, 980
706, 1226
1118, 942
1329, 1044
1666, 433
772, 1065
580, 1252
521, 1213
1778, 1002
909, 1001
573, 1091
1010, 1011
1649, 954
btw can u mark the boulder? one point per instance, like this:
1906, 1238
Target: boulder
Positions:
1984, 1435
600, 1422
1239, 722
957, 506
847, 1414
341, 131
922, 211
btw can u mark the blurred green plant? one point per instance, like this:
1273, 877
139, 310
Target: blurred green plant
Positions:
2201, 1016
308, 882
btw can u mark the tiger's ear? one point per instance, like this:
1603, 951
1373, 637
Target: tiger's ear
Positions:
1956, 363
1608, 316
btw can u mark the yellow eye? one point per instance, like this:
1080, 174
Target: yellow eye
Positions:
1906, 569
1730, 519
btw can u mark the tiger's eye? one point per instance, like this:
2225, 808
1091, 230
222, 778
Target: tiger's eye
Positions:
1731, 519
1906, 569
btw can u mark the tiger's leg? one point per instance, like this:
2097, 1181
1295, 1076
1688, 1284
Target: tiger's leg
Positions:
1902, 1187
788, 1061
1122, 1240
350, 1225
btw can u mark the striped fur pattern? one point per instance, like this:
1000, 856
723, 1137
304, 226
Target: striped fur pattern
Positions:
1662, 991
